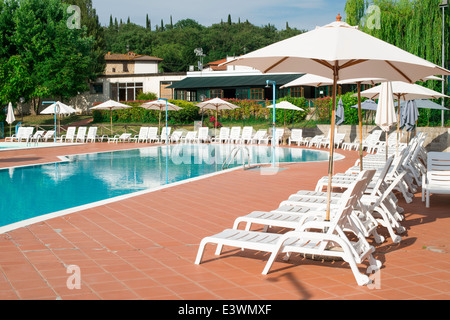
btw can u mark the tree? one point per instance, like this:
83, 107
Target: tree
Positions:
50, 60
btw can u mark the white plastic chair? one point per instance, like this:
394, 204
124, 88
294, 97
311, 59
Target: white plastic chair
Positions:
124, 137
437, 178
190, 137
203, 135
152, 134
165, 134
81, 134
142, 136
92, 134
296, 137
260, 136
247, 135
224, 135
235, 135
69, 136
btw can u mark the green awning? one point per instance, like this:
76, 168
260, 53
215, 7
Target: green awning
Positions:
234, 81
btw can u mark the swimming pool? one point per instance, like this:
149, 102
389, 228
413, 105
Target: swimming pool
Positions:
34, 191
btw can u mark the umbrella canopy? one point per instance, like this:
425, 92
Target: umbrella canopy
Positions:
318, 81
58, 108
286, 105
369, 104
409, 116
341, 52
111, 105
340, 113
405, 91
426, 104
160, 104
353, 53
10, 114
385, 116
216, 104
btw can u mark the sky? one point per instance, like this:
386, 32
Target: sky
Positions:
300, 14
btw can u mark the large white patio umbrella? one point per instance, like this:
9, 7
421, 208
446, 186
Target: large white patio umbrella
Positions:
160, 104
111, 105
341, 52
216, 104
58, 108
10, 118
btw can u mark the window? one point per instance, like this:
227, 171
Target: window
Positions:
257, 94
125, 67
296, 92
241, 93
215, 93
126, 91
96, 88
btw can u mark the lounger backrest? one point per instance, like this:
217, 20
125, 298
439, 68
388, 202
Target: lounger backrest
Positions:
224, 132
152, 132
38, 133
143, 132
191, 135
438, 168
92, 132
247, 132
203, 132
279, 133
70, 132
296, 134
81, 132
29, 132
49, 134
347, 204
261, 134
164, 129
235, 132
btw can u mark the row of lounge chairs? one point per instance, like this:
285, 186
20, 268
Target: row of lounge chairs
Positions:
27, 134
367, 200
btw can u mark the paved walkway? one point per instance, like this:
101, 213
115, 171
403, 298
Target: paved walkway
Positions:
144, 247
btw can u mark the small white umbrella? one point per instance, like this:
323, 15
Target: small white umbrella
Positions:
111, 105
10, 118
385, 116
216, 104
286, 105
160, 104
58, 108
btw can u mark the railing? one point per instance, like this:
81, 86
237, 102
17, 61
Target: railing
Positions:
233, 155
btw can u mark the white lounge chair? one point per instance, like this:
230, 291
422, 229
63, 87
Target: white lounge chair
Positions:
69, 136
152, 134
279, 133
81, 134
203, 135
37, 136
260, 136
437, 178
329, 240
48, 135
176, 136
372, 141
235, 135
190, 137
92, 134
142, 136
124, 137
247, 135
21, 131
165, 134
224, 135
296, 137
315, 141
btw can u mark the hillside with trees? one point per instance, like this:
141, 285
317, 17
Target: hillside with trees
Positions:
176, 42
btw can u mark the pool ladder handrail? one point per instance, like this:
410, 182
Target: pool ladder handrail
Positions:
30, 140
233, 155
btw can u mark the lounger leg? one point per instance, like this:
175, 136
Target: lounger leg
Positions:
428, 200
201, 249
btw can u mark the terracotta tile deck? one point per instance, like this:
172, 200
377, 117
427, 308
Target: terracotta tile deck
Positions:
144, 247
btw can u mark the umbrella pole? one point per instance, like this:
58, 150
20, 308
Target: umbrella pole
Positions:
159, 124
110, 111
398, 122
331, 160
360, 128
215, 121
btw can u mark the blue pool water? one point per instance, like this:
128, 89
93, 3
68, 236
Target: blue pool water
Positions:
32, 191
